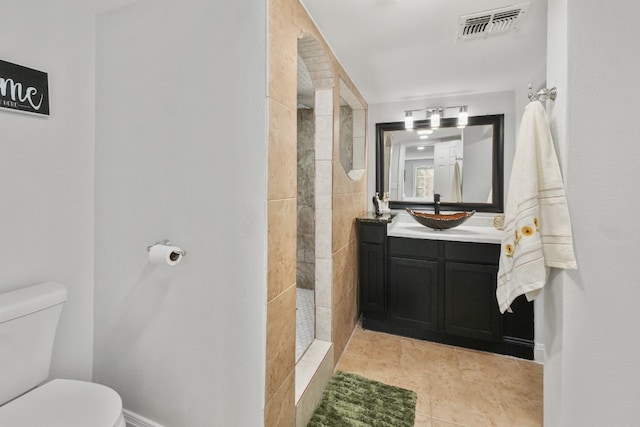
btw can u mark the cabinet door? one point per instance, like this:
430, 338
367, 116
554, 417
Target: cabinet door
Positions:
413, 286
471, 309
372, 292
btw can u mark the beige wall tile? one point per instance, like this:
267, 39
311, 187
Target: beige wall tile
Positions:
344, 321
342, 184
344, 271
281, 340
281, 258
287, 20
283, 52
281, 409
346, 208
282, 152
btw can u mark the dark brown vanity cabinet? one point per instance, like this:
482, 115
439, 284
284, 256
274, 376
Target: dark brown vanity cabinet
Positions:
414, 276
470, 305
372, 271
413, 294
439, 290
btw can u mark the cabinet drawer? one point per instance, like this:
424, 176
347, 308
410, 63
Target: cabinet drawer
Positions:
373, 233
413, 248
484, 253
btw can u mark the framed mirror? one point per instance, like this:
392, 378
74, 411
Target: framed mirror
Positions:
464, 165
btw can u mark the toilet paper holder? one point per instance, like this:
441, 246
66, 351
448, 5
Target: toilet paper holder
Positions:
166, 242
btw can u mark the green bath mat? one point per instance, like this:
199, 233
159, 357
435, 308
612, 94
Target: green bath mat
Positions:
355, 401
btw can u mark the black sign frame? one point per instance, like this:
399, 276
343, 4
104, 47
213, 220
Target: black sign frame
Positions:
23, 89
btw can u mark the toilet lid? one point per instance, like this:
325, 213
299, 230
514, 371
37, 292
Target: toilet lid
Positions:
64, 403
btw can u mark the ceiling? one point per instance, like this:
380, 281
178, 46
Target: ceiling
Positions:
397, 50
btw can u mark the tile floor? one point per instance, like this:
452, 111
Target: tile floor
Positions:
455, 386
305, 320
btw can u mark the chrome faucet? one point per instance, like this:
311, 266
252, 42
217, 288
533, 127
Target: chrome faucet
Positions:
436, 203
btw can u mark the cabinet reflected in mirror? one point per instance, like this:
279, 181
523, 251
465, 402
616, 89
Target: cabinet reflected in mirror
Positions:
463, 165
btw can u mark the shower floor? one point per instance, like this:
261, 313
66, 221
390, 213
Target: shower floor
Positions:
305, 320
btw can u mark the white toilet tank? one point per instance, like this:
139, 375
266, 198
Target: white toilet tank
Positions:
28, 322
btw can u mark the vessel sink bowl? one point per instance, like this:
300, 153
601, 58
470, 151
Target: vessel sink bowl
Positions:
440, 221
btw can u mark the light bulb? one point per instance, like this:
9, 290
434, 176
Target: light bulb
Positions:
463, 117
435, 119
408, 120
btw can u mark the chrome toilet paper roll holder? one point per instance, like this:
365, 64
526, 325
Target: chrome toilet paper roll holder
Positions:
166, 242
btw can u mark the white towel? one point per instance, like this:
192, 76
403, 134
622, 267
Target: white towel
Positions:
456, 184
537, 228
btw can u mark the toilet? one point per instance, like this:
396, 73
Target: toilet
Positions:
28, 323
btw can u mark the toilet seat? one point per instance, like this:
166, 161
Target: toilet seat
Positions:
65, 403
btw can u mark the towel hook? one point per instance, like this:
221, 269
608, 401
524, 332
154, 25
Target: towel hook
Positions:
543, 94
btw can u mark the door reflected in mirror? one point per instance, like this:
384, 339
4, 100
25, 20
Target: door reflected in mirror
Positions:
463, 165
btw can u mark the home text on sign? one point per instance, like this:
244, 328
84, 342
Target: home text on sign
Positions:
23, 89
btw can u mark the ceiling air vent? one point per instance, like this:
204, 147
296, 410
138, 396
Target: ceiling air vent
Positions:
494, 21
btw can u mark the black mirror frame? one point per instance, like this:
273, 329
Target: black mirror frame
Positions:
495, 120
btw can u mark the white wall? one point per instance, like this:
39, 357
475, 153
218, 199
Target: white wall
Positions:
593, 375
549, 305
46, 170
181, 153
479, 105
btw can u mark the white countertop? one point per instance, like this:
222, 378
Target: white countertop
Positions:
477, 229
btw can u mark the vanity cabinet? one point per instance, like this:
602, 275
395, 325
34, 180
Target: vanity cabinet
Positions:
413, 288
372, 271
414, 273
439, 290
470, 305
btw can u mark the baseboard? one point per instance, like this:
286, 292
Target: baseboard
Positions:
135, 420
538, 352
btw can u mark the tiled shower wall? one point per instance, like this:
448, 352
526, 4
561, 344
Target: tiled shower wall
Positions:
346, 138
305, 265
288, 21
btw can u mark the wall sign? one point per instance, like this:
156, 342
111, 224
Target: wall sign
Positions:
23, 89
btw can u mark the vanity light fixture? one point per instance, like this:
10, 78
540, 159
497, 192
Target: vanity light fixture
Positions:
434, 115
408, 120
463, 117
